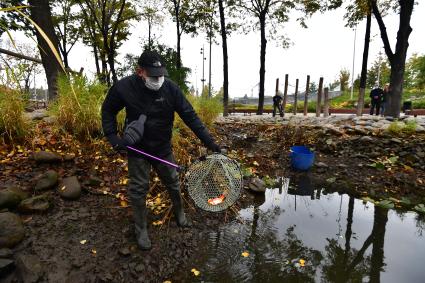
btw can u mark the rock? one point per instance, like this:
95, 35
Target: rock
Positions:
366, 139
321, 165
124, 251
11, 230
29, 268
70, 188
94, 180
48, 181
6, 253
396, 140
11, 197
420, 129
385, 127
6, 265
69, 157
34, 204
46, 157
257, 185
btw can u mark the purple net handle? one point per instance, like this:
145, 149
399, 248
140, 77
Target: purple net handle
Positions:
155, 158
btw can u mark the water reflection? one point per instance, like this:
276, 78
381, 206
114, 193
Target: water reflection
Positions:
340, 238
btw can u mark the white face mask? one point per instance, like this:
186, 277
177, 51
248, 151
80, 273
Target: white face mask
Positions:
154, 83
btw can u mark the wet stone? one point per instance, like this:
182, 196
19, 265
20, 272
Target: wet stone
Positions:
46, 157
47, 181
6, 265
35, 204
395, 140
11, 197
6, 253
124, 251
70, 188
11, 230
257, 185
29, 268
366, 139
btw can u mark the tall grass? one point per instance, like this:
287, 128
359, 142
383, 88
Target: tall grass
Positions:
13, 125
77, 108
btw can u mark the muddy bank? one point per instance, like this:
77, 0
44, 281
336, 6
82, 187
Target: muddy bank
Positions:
89, 237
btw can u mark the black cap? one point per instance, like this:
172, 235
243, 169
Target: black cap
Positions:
152, 63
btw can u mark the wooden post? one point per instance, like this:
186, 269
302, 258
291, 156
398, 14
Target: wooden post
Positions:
277, 86
326, 103
285, 94
319, 98
307, 89
296, 97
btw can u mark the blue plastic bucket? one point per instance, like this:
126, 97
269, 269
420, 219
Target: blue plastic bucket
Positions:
302, 158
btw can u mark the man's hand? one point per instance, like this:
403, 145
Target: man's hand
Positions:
214, 148
117, 143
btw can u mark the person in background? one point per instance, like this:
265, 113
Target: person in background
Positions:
385, 94
375, 99
277, 103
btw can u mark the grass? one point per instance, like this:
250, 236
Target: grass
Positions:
77, 109
13, 126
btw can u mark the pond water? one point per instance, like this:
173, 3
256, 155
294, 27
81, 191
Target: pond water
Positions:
305, 235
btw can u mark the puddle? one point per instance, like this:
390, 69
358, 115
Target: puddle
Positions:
303, 235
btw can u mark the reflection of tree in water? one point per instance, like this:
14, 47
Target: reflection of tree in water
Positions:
346, 264
420, 224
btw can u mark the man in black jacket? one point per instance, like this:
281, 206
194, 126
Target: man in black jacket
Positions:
150, 101
375, 99
277, 103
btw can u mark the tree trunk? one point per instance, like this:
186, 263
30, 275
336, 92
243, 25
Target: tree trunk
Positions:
177, 12
149, 35
262, 63
377, 258
96, 60
360, 102
41, 15
225, 60
398, 58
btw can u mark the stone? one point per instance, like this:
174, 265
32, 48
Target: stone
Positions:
29, 268
6, 265
46, 157
94, 180
257, 185
366, 139
47, 181
11, 230
69, 157
70, 188
124, 251
321, 165
385, 127
395, 140
6, 253
420, 129
35, 204
11, 197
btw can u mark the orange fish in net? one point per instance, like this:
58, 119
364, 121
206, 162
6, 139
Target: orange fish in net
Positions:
216, 201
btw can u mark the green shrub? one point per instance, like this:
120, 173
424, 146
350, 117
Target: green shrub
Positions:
13, 125
396, 127
410, 127
77, 108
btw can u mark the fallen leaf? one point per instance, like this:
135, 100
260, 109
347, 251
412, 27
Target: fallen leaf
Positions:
195, 272
167, 281
93, 251
123, 203
83, 242
302, 262
245, 254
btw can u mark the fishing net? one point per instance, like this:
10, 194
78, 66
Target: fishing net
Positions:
214, 183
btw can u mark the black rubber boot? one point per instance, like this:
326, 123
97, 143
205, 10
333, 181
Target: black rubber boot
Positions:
179, 214
141, 225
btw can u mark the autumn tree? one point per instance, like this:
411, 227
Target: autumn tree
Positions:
40, 14
108, 23
67, 26
151, 12
267, 16
397, 58
344, 76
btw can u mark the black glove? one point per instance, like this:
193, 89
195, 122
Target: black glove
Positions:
133, 134
117, 143
214, 147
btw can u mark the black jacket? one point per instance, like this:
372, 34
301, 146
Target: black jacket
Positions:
159, 107
376, 94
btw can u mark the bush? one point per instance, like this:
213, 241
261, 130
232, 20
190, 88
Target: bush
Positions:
77, 108
13, 125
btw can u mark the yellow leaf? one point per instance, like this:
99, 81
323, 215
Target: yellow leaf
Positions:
93, 251
83, 242
245, 254
123, 203
63, 188
158, 201
195, 272
302, 262
167, 281
255, 163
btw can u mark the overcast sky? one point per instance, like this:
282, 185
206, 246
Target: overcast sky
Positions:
323, 49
